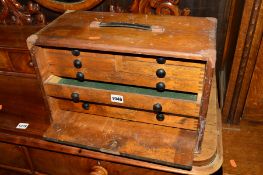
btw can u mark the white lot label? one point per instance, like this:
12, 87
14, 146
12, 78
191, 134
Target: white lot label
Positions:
22, 126
117, 98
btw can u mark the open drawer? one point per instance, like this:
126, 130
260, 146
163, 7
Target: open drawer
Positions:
170, 120
152, 143
127, 126
125, 96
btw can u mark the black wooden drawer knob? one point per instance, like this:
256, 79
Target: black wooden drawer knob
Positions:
77, 63
160, 86
157, 107
160, 73
160, 117
75, 52
160, 60
80, 76
85, 105
75, 97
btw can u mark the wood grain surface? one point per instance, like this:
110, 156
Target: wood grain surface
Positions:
244, 61
133, 100
5, 63
13, 155
254, 103
129, 114
16, 61
192, 39
127, 69
22, 97
14, 37
21, 61
168, 146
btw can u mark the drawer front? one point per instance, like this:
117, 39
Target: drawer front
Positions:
54, 163
10, 172
126, 96
21, 61
177, 75
65, 164
13, 156
5, 64
128, 114
16, 61
131, 70
21, 96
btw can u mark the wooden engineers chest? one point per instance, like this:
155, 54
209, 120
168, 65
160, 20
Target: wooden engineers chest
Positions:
131, 85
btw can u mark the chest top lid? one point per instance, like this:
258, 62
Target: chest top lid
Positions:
183, 37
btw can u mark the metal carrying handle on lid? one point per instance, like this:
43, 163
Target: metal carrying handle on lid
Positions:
153, 28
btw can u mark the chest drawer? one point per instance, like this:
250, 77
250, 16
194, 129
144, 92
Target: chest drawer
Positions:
16, 61
146, 71
5, 64
129, 114
21, 96
21, 61
132, 97
72, 164
13, 156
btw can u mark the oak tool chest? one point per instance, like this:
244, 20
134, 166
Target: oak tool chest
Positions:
135, 86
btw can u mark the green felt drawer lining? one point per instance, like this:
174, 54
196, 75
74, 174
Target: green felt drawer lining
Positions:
129, 89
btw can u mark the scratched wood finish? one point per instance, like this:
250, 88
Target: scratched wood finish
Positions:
133, 100
192, 39
129, 114
180, 75
130, 52
125, 138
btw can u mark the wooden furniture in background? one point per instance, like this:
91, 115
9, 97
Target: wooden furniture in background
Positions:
253, 109
20, 95
159, 7
13, 12
243, 98
31, 155
232, 16
61, 6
